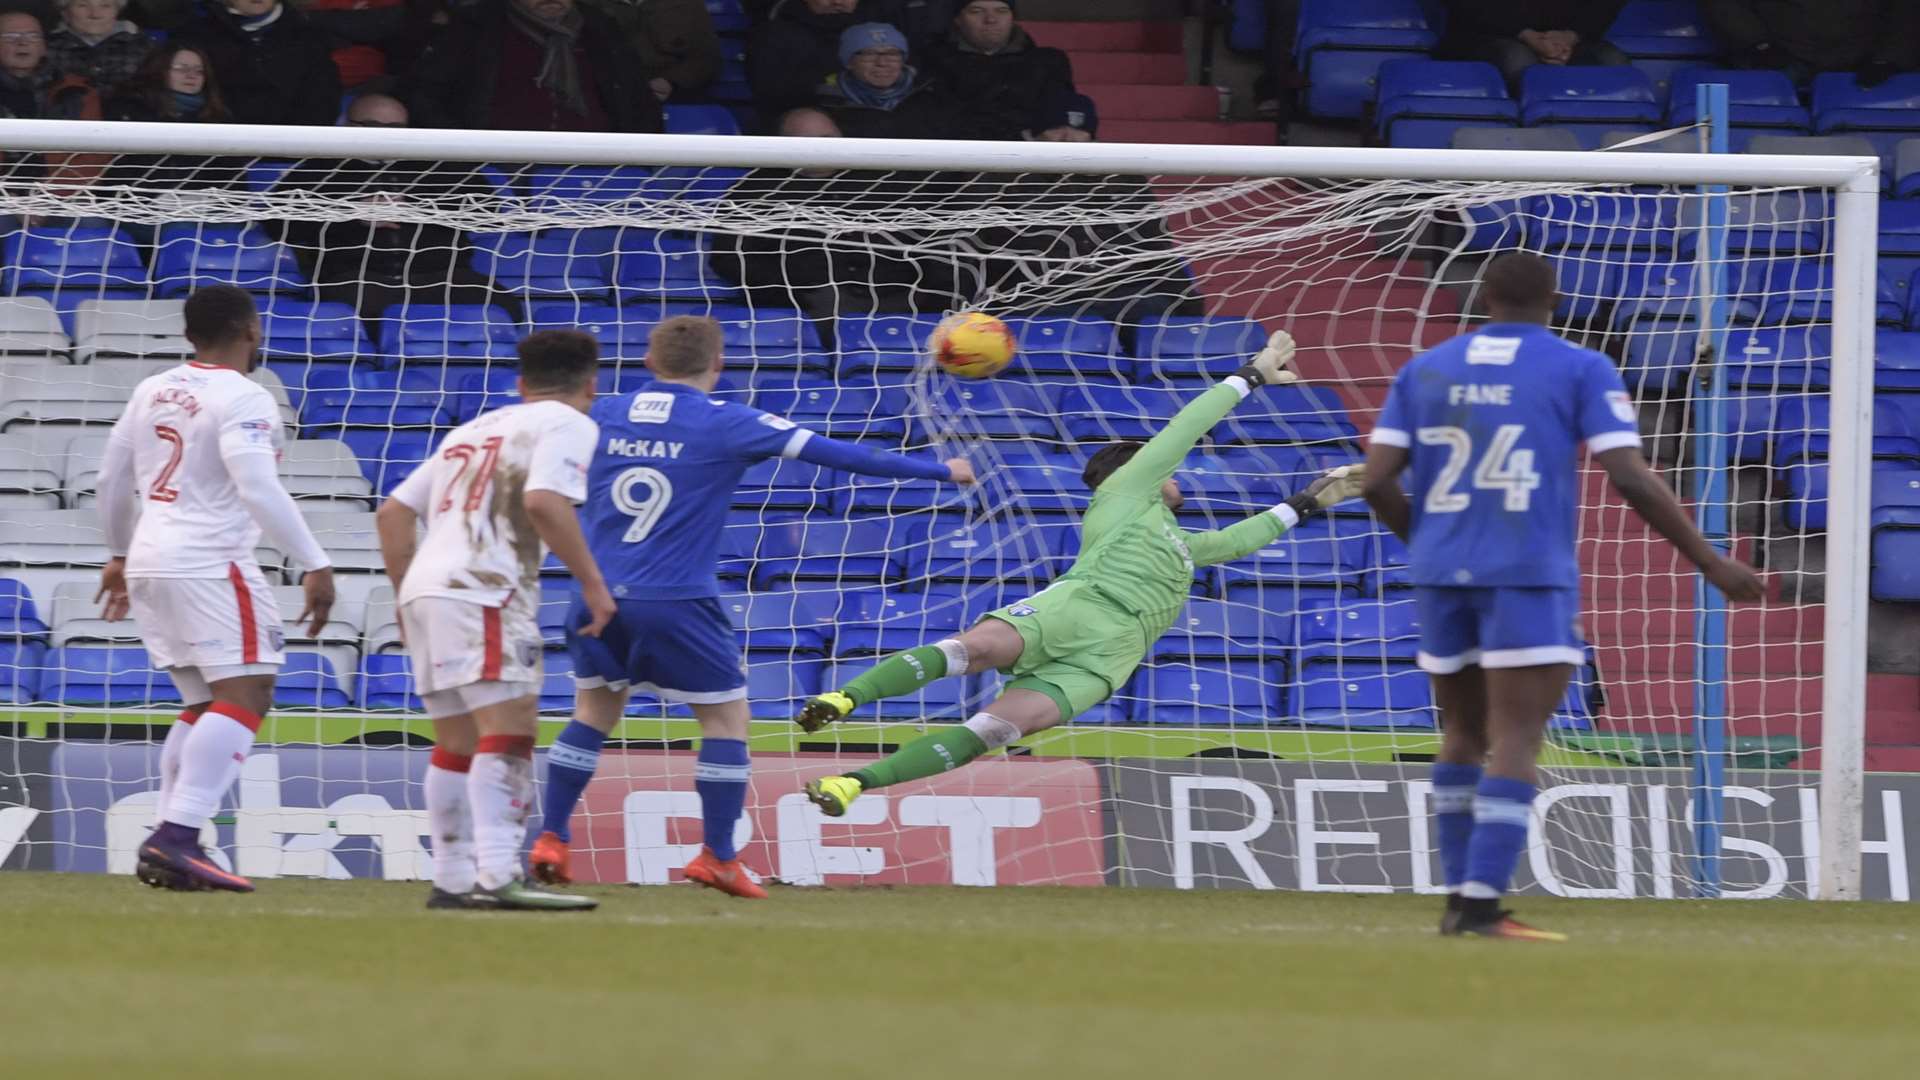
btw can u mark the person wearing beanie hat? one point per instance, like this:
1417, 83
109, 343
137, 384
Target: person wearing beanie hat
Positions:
1069, 118
796, 48
877, 93
998, 82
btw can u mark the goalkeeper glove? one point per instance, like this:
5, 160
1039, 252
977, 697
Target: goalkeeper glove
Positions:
1337, 486
1270, 364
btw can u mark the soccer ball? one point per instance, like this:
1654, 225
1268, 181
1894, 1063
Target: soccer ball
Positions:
972, 345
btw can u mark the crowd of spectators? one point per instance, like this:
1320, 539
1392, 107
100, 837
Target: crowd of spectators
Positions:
942, 69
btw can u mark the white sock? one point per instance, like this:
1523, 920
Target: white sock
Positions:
210, 760
450, 816
500, 791
170, 752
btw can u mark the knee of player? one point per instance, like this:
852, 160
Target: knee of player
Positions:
990, 645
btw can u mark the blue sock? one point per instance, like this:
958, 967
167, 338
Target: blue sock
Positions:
571, 761
1500, 810
1453, 817
720, 776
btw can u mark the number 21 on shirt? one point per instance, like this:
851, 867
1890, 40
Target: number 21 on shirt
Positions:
1502, 468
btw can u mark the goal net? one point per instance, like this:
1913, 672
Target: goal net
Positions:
1279, 736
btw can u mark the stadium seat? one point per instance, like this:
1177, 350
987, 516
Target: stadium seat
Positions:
448, 331
556, 683
382, 399
1358, 633
1425, 102
1767, 225
783, 484
1840, 103
565, 187
311, 329
551, 262
1536, 138
194, 254
1782, 358
776, 688
30, 329
1376, 698
1664, 290
1906, 169
1196, 347
1211, 692
1758, 102
700, 120
349, 538
671, 265
104, 329
1658, 357
1895, 554
52, 538
19, 615
1010, 553
1805, 428
870, 550
308, 681
1896, 487
381, 620
341, 628
1306, 567
786, 623
1287, 414
386, 683
28, 480
325, 470
995, 408
104, 677
1100, 413
841, 410
1342, 44
75, 616
1896, 359
22, 668
40, 258
1219, 630
1593, 98
387, 455
1045, 487
1662, 29
1611, 221
1899, 228
1068, 345
883, 342
871, 622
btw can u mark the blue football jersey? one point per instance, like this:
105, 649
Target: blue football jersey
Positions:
1492, 422
662, 478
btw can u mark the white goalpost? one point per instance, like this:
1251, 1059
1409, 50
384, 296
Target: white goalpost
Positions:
1279, 737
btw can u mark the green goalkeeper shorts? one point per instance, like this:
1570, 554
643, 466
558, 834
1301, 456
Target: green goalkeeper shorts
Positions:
1079, 648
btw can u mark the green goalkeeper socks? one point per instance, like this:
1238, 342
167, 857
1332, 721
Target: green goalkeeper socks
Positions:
928, 755
902, 673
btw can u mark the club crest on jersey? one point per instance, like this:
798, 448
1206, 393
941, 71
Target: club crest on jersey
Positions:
276, 638
1622, 406
529, 652
651, 409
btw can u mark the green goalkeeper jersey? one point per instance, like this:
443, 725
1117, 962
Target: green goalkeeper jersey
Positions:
1131, 549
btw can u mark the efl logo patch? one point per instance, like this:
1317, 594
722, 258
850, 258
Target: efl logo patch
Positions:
1022, 609
777, 423
1622, 406
651, 409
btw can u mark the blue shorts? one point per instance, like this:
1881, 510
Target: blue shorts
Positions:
1498, 627
681, 651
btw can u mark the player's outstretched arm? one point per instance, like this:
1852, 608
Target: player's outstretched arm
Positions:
1246, 537
554, 519
848, 457
1650, 497
1143, 474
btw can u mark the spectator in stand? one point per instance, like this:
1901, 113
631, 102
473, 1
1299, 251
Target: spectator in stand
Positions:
373, 263
367, 39
674, 39
793, 54
534, 65
1514, 35
94, 43
1875, 38
176, 85
24, 72
1275, 89
999, 84
877, 94
273, 64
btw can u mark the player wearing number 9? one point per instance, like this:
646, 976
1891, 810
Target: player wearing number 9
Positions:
1488, 426
663, 475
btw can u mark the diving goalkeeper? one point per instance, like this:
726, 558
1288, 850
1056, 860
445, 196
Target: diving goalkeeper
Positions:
1068, 647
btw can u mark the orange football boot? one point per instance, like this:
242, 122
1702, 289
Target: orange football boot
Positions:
728, 877
551, 862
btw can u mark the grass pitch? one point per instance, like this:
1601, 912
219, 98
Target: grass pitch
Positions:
356, 980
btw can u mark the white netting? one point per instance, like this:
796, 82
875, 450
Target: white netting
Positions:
1279, 735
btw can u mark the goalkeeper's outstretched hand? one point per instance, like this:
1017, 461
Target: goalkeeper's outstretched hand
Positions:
1274, 363
1338, 485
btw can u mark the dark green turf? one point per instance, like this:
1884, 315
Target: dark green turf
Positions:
354, 980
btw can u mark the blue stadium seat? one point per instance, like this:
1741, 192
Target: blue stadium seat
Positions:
1369, 698
621, 332
1665, 29
1896, 359
776, 688
449, 331
99, 676
1342, 43
783, 484
787, 623
551, 262
847, 410
41, 257
1211, 692
883, 342
1258, 469
1782, 358
700, 120
1665, 290
1613, 221
1211, 489
1756, 100
1221, 630
1806, 429
556, 683
554, 187
1247, 26
1769, 225
1068, 345
672, 265
478, 391
1194, 347
381, 399
869, 550
22, 667
1097, 413
19, 616
1840, 103
1895, 483
1899, 228
1011, 553
1375, 633
1287, 414
1611, 96
742, 536
995, 408
1049, 486
308, 681
263, 175
1424, 102
1895, 533
1657, 357
387, 455
1906, 169
1307, 567
1801, 291
311, 329
193, 254
386, 682
941, 699
1895, 486
870, 622
1754, 420
691, 183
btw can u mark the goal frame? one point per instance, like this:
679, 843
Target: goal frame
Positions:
1853, 181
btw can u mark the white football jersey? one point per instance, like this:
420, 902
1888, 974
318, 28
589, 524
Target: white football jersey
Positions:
480, 545
182, 425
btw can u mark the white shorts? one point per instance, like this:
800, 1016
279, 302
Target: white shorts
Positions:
213, 624
455, 643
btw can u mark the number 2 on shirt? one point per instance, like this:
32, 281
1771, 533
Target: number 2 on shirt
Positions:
489, 452
1502, 468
